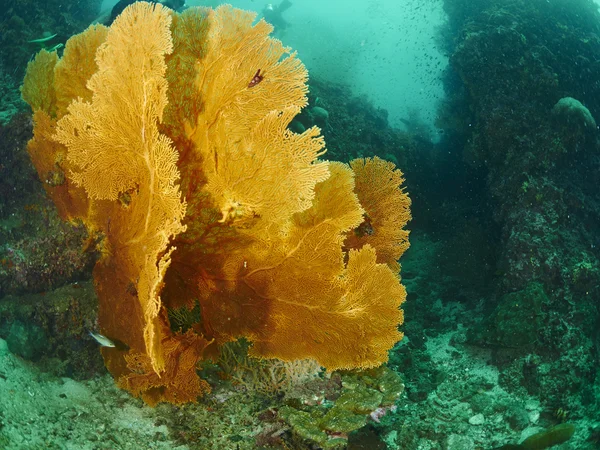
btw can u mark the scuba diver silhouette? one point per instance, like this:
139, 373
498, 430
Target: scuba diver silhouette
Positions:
272, 14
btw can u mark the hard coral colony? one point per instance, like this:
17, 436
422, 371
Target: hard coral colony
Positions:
197, 193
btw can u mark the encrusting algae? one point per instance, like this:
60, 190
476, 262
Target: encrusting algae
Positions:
171, 135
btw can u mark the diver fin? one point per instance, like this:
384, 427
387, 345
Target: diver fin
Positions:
285, 4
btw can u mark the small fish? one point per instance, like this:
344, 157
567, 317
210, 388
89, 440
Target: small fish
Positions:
102, 340
544, 439
42, 40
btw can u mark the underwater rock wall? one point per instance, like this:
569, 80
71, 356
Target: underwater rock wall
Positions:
513, 62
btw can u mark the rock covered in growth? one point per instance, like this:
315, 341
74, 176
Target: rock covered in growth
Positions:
572, 110
517, 69
37, 251
52, 328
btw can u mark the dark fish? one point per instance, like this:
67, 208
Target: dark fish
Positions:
544, 439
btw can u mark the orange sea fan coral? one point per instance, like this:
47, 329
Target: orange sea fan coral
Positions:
77, 65
252, 164
179, 383
116, 149
292, 295
50, 85
38, 85
387, 206
204, 197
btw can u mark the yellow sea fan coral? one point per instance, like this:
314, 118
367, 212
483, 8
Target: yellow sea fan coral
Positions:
387, 206
235, 50
38, 85
179, 384
76, 67
49, 158
132, 148
271, 173
293, 297
49, 87
189, 30
252, 165
260, 242
115, 149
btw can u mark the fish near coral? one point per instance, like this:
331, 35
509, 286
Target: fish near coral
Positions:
102, 340
550, 437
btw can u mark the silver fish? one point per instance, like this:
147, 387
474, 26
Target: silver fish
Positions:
102, 340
